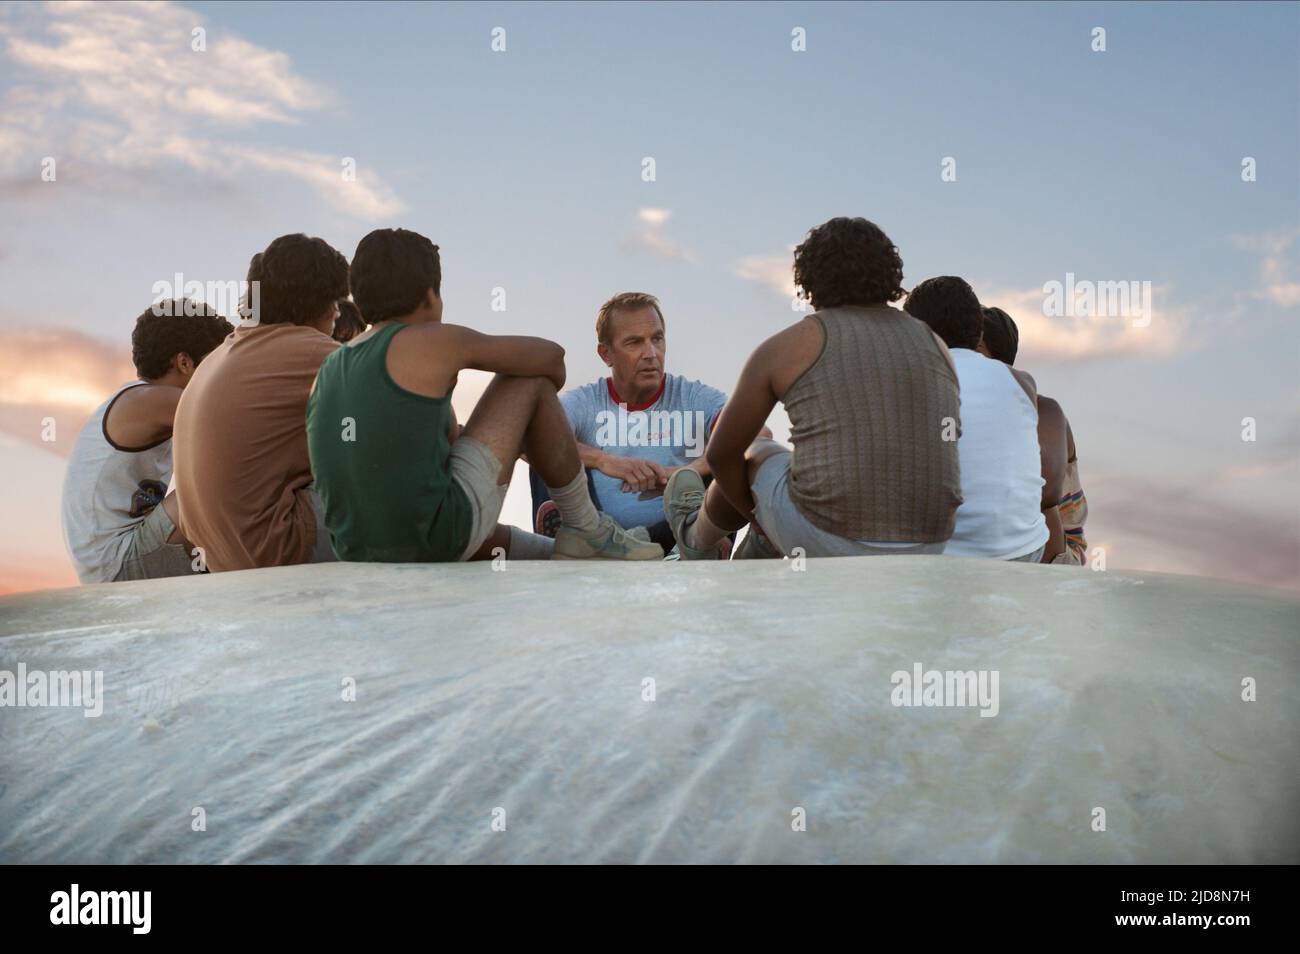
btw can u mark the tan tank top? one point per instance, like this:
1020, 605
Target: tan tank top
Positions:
868, 421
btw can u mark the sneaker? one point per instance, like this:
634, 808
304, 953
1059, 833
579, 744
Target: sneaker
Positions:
683, 498
608, 541
547, 523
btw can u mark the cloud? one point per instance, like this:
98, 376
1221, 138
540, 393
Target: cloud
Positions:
1277, 268
1175, 529
1070, 338
59, 374
119, 87
774, 271
649, 237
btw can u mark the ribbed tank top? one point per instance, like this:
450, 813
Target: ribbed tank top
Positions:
868, 421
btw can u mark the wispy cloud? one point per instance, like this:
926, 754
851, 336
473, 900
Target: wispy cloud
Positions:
774, 271
1147, 526
650, 238
120, 86
56, 374
1069, 338
1278, 268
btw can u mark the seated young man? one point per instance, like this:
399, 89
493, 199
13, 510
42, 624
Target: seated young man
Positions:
1009, 480
119, 521
1064, 521
640, 424
242, 471
400, 480
869, 391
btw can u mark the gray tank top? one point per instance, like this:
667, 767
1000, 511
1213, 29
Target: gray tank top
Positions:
868, 421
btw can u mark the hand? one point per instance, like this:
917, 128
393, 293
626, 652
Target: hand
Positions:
637, 475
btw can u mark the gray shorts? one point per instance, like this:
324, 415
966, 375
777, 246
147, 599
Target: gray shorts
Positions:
476, 469
149, 556
1035, 557
787, 528
323, 552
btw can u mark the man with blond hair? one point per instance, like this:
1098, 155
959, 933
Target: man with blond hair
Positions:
638, 426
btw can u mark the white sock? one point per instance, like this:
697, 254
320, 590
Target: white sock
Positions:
530, 546
574, 503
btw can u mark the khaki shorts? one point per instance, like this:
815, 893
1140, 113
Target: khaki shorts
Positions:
476, 469
150, 556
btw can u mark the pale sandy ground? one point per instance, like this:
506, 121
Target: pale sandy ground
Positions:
524, 690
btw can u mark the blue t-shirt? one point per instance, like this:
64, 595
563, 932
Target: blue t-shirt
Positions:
671, 430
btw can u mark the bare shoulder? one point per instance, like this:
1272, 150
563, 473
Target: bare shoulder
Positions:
425, 358
790, 352
142, 415
146, 400
1026, 381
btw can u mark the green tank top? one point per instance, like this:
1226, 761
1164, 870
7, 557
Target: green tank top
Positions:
380, 460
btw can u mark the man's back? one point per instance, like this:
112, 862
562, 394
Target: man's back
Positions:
1001, 515
867, 420
380, 454
107, 490
240, 445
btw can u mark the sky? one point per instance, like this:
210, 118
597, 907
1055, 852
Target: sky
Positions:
997, 142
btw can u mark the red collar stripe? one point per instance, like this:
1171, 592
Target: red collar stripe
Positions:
613, 395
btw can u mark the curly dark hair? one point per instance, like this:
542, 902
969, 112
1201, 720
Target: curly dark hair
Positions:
169, 328
1001, 336
949, 306
349, 323
392, 271
848, 262
300, 278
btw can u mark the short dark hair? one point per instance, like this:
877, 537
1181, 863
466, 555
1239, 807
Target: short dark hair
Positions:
169, 328
300, 278
949, 306
1001, 336
848, 262
392, 271
349, 323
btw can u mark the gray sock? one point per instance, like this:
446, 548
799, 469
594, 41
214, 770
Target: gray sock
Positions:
574, 503
530, 546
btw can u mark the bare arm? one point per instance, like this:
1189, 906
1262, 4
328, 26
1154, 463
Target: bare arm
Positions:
741, 421
520, 356
1052, 449
142, 416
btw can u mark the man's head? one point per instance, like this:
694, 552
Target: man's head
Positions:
302, 280
949, 306
1001, 336
350, 323
170, 340
397, 274
848, 262
630, 340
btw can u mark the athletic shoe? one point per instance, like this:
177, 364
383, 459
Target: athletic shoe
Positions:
547, 523
683, 498
608, 541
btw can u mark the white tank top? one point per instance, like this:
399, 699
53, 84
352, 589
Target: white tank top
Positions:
107, 491
1001, 516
